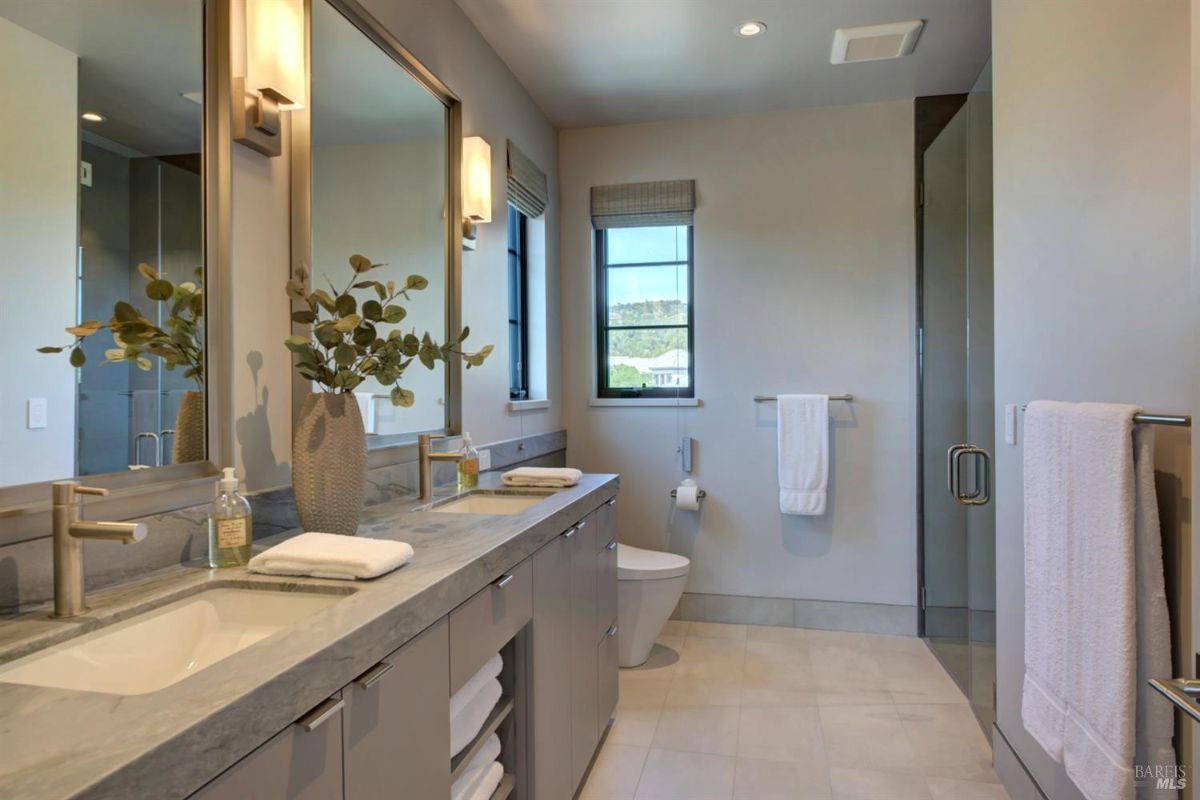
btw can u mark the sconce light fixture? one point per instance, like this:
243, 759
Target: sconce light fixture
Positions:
269, 73
476, 186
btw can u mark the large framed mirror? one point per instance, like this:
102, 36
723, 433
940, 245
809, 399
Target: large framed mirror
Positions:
375, 173
111, 220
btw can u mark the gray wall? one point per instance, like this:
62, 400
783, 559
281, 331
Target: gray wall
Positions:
803, 283
1091, 253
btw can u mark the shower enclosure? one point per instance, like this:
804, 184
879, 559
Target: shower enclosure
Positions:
954, 280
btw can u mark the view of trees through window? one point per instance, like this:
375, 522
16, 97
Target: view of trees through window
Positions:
646, 330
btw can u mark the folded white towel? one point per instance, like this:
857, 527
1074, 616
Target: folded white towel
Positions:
471, 688
803, 443
473, 774
329, 555
548, 477
468, 722
486, 785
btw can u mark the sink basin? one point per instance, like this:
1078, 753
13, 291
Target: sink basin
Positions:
489, 503
154, 650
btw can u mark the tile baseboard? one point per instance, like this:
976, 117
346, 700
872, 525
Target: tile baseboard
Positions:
780, 611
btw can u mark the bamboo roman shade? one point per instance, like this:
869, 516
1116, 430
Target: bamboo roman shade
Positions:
527, 189
632, 205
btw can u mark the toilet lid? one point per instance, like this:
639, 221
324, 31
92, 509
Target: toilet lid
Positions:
634, 563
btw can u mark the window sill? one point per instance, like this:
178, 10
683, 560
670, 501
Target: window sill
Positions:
672, 402
516, 406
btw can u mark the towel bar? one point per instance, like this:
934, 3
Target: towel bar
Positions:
1176, 420
770, 398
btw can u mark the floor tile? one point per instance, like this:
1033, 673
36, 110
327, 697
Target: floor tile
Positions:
698, 729
853, 696
771, 673
953, 789
670, 775
758, 779
778, 697
688, 692
796, 651
616, 772
857, 783
872, 736
770, 633
782, 734
943, 735
634, 726
675, 627
645, 693
716, 630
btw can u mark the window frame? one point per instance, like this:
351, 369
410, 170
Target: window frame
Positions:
521, 254
603, 390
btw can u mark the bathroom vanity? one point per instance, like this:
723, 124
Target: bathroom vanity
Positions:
351, 701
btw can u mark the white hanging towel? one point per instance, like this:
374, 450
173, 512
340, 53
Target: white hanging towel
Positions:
803, 453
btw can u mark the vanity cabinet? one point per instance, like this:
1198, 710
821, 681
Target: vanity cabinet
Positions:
396, 725
302, 762
584, 667
550, 679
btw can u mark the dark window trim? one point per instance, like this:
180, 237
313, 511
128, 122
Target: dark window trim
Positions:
602, 326
521, 391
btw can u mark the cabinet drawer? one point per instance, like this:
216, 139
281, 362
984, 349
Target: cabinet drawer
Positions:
483, 624
302, 762
606, 587
608, 679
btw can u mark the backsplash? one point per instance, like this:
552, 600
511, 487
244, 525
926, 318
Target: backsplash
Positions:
179, 536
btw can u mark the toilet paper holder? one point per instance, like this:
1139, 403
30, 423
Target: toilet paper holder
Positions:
700, 495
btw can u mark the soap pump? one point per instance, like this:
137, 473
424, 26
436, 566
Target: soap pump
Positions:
229, 529
468, 465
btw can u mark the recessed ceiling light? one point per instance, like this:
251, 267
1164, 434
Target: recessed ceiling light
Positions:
751, 27
91, 116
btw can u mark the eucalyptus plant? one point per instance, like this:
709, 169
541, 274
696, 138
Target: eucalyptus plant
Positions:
178, 340
347, 345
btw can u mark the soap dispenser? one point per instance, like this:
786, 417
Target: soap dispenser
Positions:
229, 530
468, 465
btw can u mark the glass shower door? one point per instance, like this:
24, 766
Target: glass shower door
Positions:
958, 521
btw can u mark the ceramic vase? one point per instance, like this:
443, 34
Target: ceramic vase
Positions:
329, 463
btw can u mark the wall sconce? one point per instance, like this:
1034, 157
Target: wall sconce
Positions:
269, 73
476, 186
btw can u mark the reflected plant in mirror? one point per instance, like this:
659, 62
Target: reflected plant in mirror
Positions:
352, 341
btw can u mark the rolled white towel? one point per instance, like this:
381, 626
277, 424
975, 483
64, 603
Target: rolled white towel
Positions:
476, 768
486, 785
548, 477
467, 723
471, 688
329, 555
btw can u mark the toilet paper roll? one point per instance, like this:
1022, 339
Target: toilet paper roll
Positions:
687, 496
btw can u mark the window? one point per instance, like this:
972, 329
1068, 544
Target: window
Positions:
644, 311
518, 301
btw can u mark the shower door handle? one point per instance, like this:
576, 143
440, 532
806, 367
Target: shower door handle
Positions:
982, 493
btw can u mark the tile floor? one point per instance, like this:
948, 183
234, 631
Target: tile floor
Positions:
745, 712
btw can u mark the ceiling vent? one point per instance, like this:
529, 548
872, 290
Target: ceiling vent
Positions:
875, 42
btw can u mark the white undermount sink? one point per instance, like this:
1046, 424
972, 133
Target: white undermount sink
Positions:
488, 503
154, 650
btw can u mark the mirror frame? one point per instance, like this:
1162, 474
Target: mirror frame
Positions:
394, 448
25, 509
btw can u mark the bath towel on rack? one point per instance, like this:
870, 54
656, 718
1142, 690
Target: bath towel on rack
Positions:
803, 444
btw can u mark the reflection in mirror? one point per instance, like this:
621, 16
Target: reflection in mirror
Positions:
103, 242
379, 189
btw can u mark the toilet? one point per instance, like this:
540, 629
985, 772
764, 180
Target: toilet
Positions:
649, 585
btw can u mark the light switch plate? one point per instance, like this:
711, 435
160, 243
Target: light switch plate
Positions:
35, 413
85, 173
485, 460
1010, 424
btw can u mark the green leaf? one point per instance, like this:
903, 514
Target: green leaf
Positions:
364, 334
327, 335
50, 349
344, 355
394, 314
159, 290
466, 331
322, 297
372, 310
85, 328
304, 317
125, 312
345, 305
360, 264
295, 290
411, 345
426, 356
415, 282
148, 272
402, 397
297, 343
78, 359
347, 323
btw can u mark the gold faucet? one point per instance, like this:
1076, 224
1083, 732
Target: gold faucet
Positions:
424, 456
69, 532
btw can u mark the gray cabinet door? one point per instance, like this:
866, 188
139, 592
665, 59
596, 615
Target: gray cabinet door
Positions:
584, 737
549, 684
303, 762
486, 622
397, 725
606, 577
607, 679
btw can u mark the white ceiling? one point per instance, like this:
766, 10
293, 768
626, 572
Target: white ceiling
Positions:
605, 62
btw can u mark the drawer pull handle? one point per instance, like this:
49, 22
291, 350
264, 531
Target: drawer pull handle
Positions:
321, 714
612, 501
611, 632
611, 545
504, 581
569, 532
372, 676
582, 524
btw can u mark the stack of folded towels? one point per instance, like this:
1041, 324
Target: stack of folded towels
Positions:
328, 555
542, 477
469, 710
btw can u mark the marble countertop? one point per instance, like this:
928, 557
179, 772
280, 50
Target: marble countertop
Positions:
56, 743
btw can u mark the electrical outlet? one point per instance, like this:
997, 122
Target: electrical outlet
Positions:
485, 460
85, 173
36, 413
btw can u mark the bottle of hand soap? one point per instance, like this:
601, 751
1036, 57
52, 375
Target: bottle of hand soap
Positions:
468, 465
229, 532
